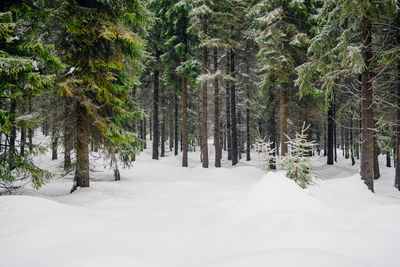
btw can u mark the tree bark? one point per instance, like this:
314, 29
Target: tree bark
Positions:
54, 143
284, 147
272, 127
156, 134
248, 144
204, 134
13, 130
163, 110
184, 144
217, 129
67, 147
176, 139
367, 144
233, 112
228, 108
330, 138
82, 149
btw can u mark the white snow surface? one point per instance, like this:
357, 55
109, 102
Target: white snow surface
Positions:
162, 215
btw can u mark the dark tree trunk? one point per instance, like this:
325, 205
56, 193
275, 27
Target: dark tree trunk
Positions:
272, 127
377, 173
156, 134
163, 110
176, 147
239, 132
330, 135
388, 161
228, 108
248, 144
23, 141
54, 143
367, 144
284, 146
334, 130
184, 139
233, 113
204, 133
13, 130
217, 129
30, 130
145, 133
352, 143
67, 147
82, 149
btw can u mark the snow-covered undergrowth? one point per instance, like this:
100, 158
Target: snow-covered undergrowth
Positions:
161, 215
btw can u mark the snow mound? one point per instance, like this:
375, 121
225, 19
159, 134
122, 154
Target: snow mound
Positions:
290, 258
275, 193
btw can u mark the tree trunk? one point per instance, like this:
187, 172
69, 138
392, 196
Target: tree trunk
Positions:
54, 143
284, 147
367, 144
13, 130
228, 108
82, 149
248, 144
163, 111
204, 134
184, 144
67, 147
352, 143
23, 141
388, 161
176, 139
156, 134
217, 128
377, 173
330, 140
233, 113
272, 127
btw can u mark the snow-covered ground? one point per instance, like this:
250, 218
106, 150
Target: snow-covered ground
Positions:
162, 215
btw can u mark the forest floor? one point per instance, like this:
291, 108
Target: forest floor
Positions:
162, 215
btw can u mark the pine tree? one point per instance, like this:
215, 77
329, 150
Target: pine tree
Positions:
102, 42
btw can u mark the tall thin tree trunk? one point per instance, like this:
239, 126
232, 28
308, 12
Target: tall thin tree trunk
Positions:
272, 126
352, 142
13, 130
367, 144
217, 128
54, 143
184, 144
82, 149
30, 130
163, 111
248, 144
176, 147
228, 108
67, 147
204, 134
388, 160
23, 141
284, 147
233, 112
156, 134
330, 135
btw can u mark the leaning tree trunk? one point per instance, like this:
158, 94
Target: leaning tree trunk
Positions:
156, 134
234, 145
204, 134
217, 129
330, 141
367, 144
284, 146
82, 149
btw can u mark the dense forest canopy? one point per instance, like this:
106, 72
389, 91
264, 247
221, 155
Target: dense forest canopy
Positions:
290, 78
